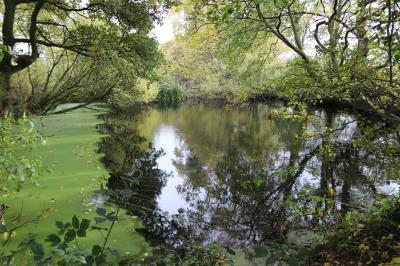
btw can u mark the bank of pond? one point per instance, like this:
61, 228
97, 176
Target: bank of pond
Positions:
207, 183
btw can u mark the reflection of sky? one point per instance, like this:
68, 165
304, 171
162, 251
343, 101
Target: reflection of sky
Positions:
166, 138
391, 187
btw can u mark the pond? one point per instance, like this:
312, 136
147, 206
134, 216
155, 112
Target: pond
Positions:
240, 176
237, 176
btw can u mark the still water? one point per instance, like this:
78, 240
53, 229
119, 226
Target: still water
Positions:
240, 176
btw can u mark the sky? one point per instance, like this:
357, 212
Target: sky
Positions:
165, 32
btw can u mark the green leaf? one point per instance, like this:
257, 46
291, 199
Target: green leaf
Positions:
75, 222
98, 228
258, 182
37, 249
84, 224
53, 239
80, 259
96, 249
113, 218
70, 235
3, 228
101, 211
230, 251
100, 220
89, 260
60, 225
59, 252
111, 214
81, 233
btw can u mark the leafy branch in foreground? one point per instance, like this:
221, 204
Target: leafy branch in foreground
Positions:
18, 137
64, 245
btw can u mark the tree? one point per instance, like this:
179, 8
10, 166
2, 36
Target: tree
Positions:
107, 29
346, 47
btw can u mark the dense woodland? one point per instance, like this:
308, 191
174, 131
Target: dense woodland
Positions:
330, 54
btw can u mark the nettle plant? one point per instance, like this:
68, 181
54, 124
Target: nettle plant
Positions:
64, 246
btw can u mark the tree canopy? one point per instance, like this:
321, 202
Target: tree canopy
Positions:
112, 31
337, 51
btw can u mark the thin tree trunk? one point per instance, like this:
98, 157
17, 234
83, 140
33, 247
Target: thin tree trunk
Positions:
5, 89
361, 24
390, 28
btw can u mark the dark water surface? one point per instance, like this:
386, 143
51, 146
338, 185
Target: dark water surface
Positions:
240, 176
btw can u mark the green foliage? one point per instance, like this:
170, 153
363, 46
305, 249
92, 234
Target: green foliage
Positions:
18, 137
170, 95
64, 245
280, 254
199, 255
144, 92
365, 238
193, 63
88, 51
206, 255
273, 48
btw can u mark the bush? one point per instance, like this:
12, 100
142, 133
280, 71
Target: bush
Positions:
170, 95
371, 238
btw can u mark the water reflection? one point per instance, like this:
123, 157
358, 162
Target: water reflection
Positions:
237, 176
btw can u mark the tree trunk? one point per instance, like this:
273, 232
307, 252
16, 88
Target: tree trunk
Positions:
361, 31
5, 89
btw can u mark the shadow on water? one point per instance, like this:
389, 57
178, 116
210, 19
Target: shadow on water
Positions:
238, 177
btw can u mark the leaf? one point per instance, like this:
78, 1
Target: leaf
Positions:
258, 182
96, 249
3, 228
230, 251
80, 259
70, 235
101, 211
75, 222
113, 218
81, 233
100, 220
111, 214
89, 260
98, 228
63, 246
84, 224
53, 239
60, 225
59, 252
37, 249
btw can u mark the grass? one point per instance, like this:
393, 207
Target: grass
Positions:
68, 188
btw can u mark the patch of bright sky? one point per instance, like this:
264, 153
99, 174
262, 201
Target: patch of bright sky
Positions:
165, 32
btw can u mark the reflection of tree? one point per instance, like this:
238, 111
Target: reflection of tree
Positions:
241, 169
210, 130
208, 136
135, 180
242, 201
242, 198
